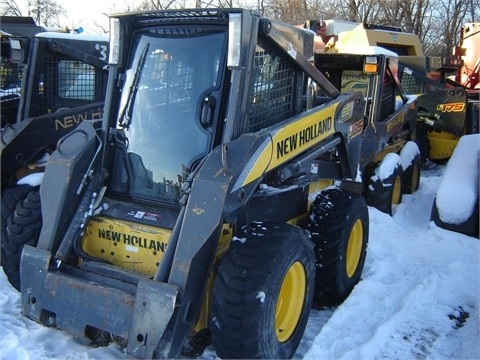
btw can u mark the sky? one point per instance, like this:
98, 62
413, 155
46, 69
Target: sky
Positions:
87, 13
418, 299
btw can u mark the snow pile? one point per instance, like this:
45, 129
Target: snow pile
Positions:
458, 191
386, 167
408, 154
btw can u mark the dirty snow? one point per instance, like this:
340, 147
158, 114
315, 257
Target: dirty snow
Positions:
418, 299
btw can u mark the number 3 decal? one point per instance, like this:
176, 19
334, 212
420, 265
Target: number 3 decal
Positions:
103, 51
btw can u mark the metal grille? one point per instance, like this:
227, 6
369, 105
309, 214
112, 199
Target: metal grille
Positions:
388, 98
270, 98
76, 80
166, 87
47, 97
172, 78
410, 84
207, 16
62, 83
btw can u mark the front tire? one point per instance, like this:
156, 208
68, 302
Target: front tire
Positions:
263, 292
23, 228
10, 199
338, 223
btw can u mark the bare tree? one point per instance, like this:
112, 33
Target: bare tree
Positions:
45, 12
176, 4
11, 8
358, 10
146, 5
436, 22
290, 11
473, 14
101, 26
448, 16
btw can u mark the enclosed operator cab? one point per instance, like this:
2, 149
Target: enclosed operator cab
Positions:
199, 189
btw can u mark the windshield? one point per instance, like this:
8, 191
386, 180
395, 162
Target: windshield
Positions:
166, 83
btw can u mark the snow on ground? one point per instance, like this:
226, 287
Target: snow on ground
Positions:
418, 299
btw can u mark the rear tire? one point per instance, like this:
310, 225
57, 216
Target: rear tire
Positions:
263, 292
338, 223
411, 176
422, 142
23, 228
384, 193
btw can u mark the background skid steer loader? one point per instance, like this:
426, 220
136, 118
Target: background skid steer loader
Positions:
21, 30
448, 114
222, 195
64, 83
447, 87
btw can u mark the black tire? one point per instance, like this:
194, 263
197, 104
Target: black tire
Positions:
272, 266
383, 194
10, 199
23, 228
473, 118
411, 174
339, 226
423, 142
469, 227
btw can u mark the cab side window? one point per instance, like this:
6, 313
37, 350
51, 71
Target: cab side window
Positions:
270, 97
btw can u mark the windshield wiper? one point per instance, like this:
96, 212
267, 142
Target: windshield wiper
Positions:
126, 113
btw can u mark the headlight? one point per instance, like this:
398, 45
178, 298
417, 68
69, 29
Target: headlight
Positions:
234, 39
114, 41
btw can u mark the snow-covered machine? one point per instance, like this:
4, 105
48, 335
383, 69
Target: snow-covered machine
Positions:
456, 205
225, 191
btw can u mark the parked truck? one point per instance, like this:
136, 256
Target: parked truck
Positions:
223, 195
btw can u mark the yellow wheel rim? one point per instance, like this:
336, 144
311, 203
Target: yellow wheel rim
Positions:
354, 248
290, 301
397, 191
